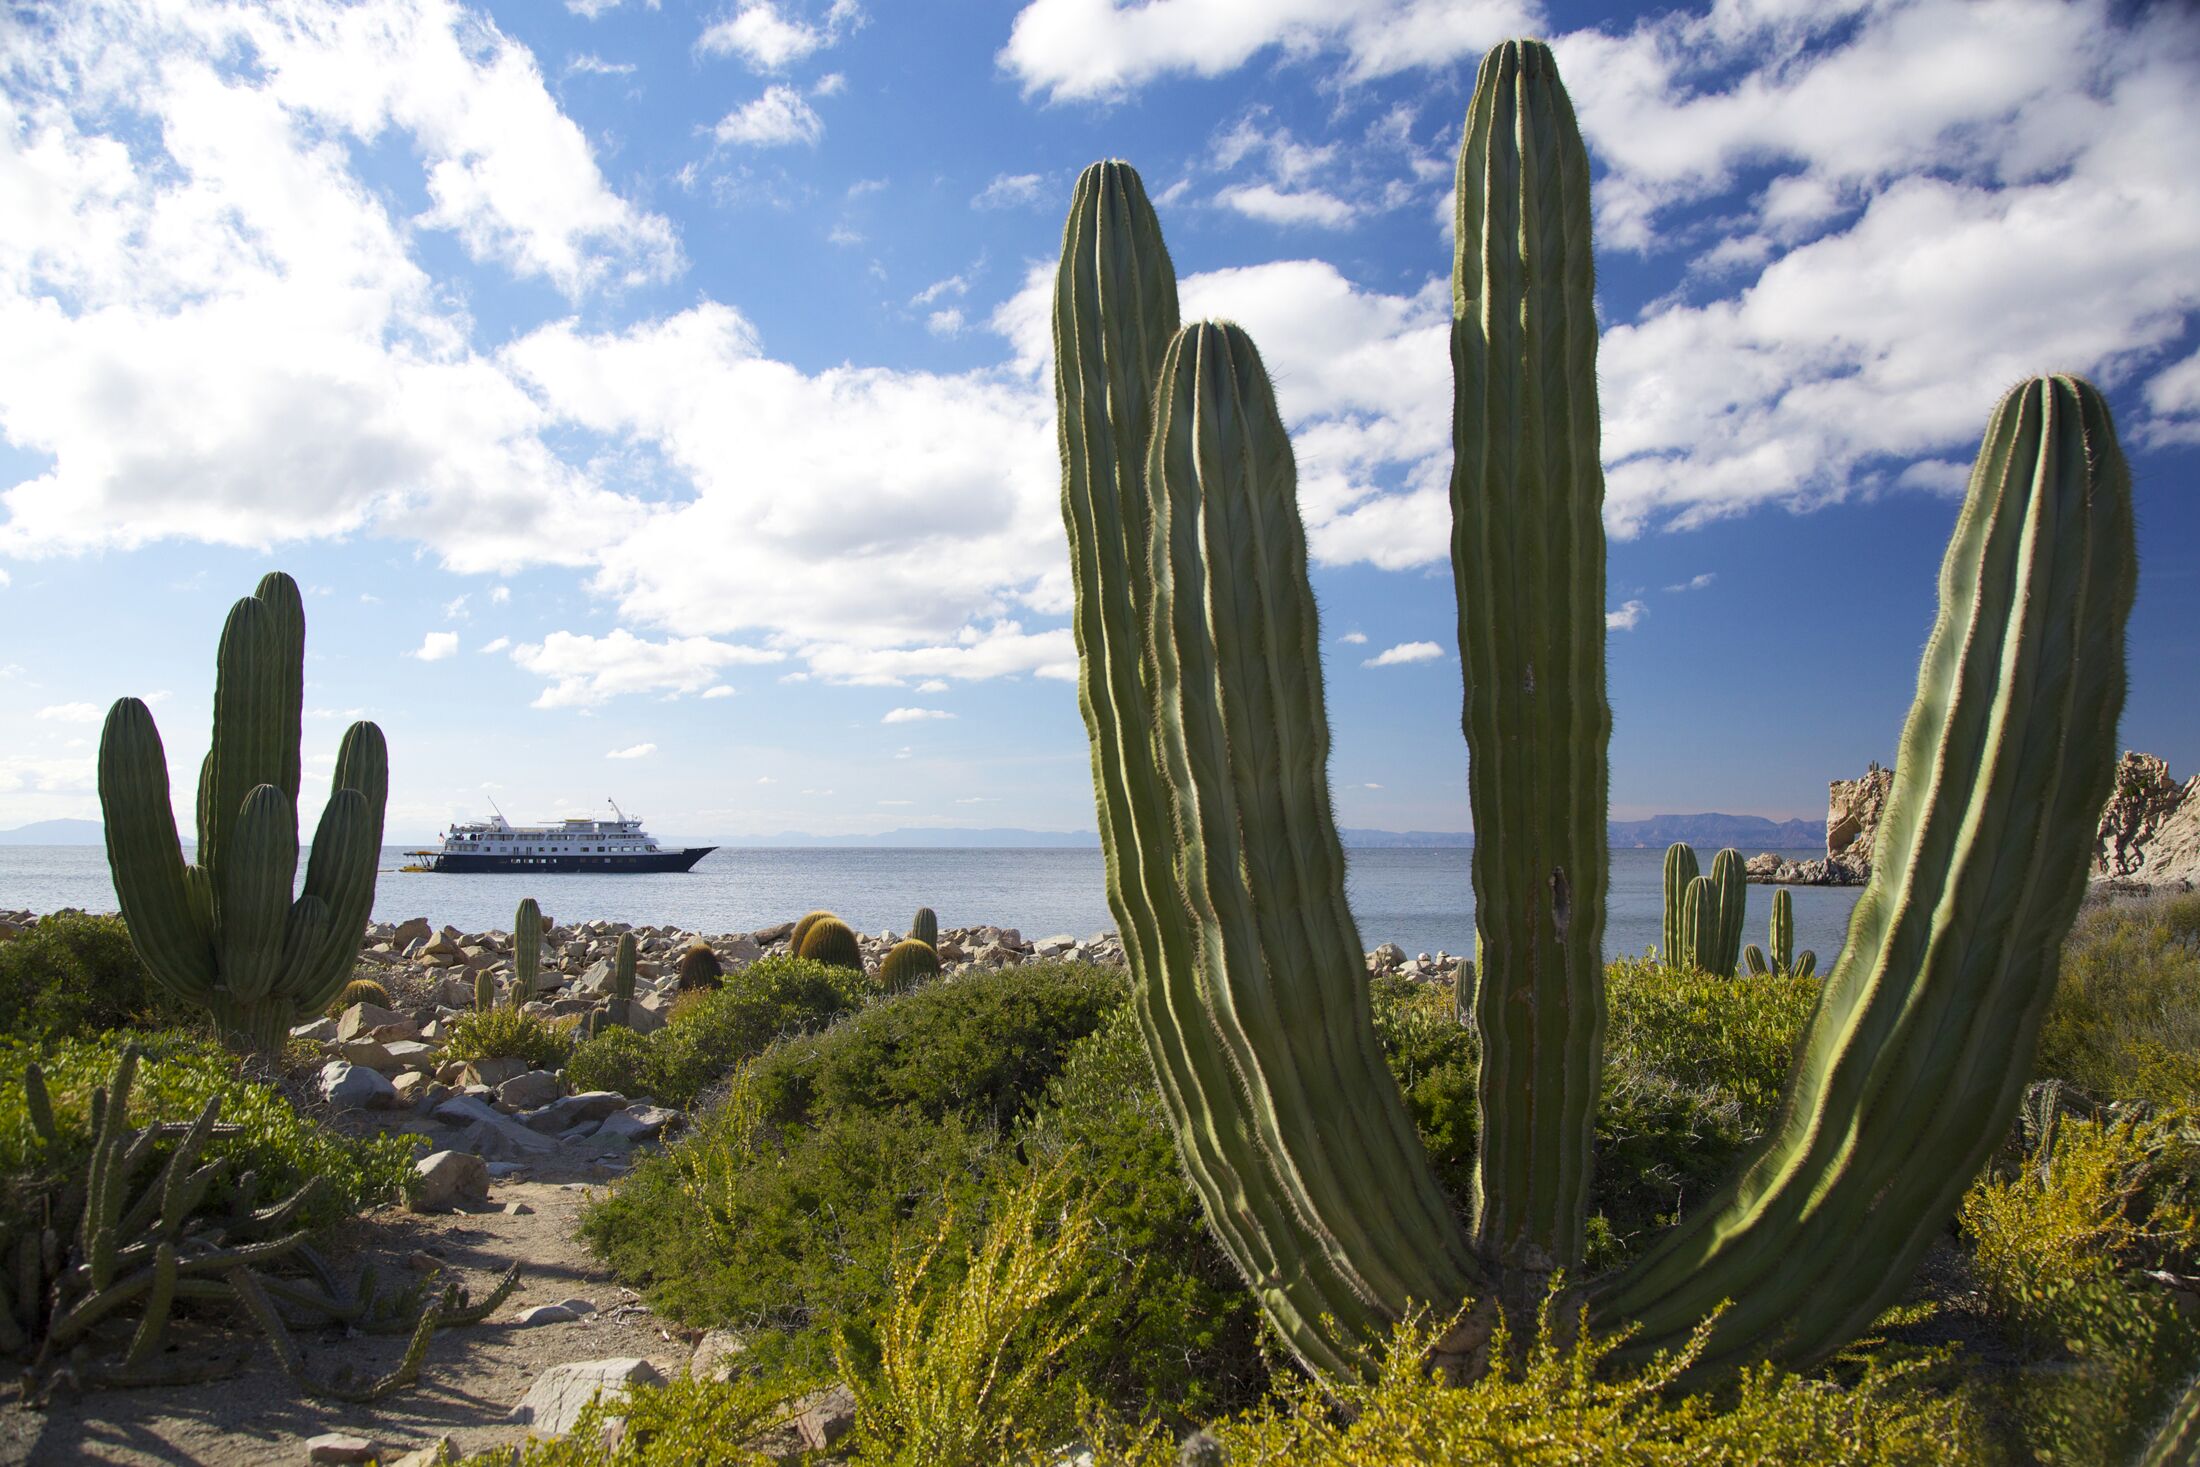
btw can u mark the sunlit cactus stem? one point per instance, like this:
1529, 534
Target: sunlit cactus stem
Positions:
623, 959
1721, 950
526, 950
1783, 931
225, 932
485, 992
1680, 869
925, 927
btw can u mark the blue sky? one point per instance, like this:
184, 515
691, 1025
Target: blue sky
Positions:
653, 398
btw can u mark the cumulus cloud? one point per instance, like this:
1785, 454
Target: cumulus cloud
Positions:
495, 644
948, 323
1627, 618
1354, 639
71, 713
632, 751
584, 670
914, 715
436, 646
1010, 191
1695, 582
768, 39
1272, 205
777, 118
721, 690
1405, 652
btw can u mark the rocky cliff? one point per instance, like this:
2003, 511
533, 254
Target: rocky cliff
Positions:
2150, 829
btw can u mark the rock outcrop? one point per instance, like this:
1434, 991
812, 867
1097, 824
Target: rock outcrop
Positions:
2150, 828
1853, 810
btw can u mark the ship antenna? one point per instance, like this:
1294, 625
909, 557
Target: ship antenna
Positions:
493, 805
616, 810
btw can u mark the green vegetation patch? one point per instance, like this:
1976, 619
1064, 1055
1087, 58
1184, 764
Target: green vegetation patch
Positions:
504, 1033
73, 974
712, 1031
2125, 1023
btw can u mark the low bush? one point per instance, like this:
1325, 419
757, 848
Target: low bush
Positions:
502, 1033
2060, 1240
73, 974
781, 1212
682, 1423
176, 1076
2125, 1021
712, 1030
1561, 1402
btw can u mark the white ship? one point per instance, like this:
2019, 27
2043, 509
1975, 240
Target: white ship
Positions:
576, 843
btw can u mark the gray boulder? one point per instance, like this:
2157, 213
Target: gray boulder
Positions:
449, 1180
555, 1401
353, 1087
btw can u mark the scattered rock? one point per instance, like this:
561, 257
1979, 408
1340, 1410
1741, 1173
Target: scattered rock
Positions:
578, 1305
371, 1053
2150, 828
716, 1355
362, 1019
438, 1453
490, 1133
563, 1114
826, 1416
492, 1072
527, 1091
337, 1446
317, 1031
353, 1087
450, 1180
545, 1314
555, 1401
639, 1122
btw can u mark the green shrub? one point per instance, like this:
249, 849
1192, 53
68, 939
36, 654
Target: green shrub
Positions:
75, 974
2125, 1021
1561, 1403
682, 1423
2058, 1242
713, 1030
781, 1211
175, 1078
983, 1047
1173, 1331
503, 1033
1730, 1040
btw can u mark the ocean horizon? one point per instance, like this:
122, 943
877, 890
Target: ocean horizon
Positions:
1421, 898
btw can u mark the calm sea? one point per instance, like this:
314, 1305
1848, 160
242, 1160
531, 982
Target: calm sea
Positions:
1420, 899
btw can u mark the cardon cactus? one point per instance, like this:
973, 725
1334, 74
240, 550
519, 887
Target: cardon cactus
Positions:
1200, 681
925, 928
1783, 959
1729, 882
526, 950
1680, 869
906, 964
225, 931
620, 1010
699, 967
485, 992
832, 942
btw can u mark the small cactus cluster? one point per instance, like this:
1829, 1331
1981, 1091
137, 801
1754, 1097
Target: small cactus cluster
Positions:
1785, 961
618, 1013
109, 1245
1703, 914
224, 931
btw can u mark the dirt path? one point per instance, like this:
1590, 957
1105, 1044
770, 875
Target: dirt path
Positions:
473, 1376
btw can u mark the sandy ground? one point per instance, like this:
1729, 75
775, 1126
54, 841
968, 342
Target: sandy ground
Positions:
472, 1378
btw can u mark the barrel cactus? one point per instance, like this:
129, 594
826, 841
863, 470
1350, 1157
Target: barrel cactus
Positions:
225, 931
906, 964
360, 990
1200, 683
699, 967
925, 927
802, 930
526, 950
832, 942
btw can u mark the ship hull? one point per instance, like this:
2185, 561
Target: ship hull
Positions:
481, 863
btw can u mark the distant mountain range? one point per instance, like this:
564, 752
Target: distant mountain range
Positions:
1751, 833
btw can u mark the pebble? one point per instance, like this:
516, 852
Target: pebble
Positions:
337, 1446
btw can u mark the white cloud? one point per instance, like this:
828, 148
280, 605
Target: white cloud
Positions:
1695, 582
1354, 639
767, 39
1371, 785
1405, 652
501, 596
932, 685
632, 751
497, 644
593, 9
945, 323
585, 670
2173, 394
1010, 191
914, 715
588, 63
831, 84
1102, 49
952, 285
71, 713
1627, 618
719, 690
1271, 205
436, 646
455, 608
778, 117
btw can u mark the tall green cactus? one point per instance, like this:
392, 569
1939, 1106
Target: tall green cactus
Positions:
1784, 960
621, 1010
1200, 683
1729, 881
1680, 869
526, 950
925, 927
224, 931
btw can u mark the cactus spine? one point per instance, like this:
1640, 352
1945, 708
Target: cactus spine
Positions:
225, 932
832, 942
1680, 869
907, 963
1200, 683
526, 950
925, 928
